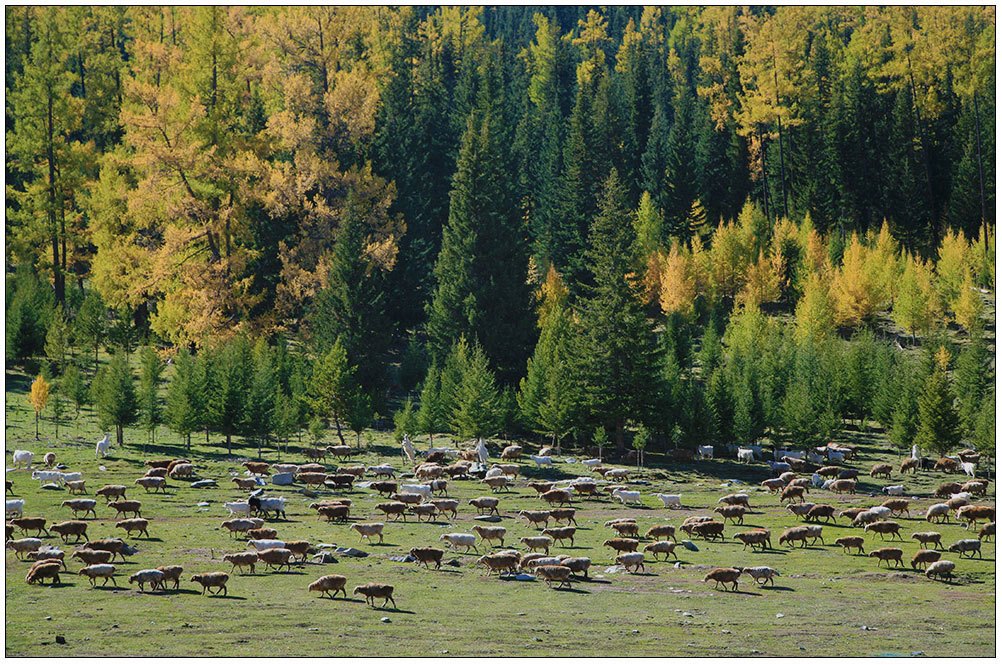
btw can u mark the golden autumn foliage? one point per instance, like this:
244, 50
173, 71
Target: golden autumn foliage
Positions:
968, 308
815, 312
38, 397
952, 265
678, 284
917, 306
552, 295
857, 289
729, 257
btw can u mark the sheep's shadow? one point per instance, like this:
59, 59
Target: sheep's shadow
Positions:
572, 590
340, 598
222, 597
745, 593
591, 580
394, 610
776, 588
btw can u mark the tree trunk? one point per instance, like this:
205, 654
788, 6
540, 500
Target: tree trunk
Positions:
36, 425
57, 276
229, 440
782, 170
765, 177
981, 175
340, 435
620, 440
925, 152
118, 434
187, 442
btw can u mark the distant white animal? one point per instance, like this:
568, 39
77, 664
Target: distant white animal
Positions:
23, 457
815, 458
968, 468
816, 480
46, 476
670, 500
541, 461
894, 490
705, 452
15, 507
915, 451
482, 451
746, 455
101, 450
779, 467
423, 490
69, 477
238, 508
624, 496
407, 447
795, 454
591, 463
835, 456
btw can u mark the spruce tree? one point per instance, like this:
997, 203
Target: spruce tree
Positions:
182, 397
115, 396
150, 408
476, 406
938, 423
973, 378
333, 391
91, 322
546, 394
232, 369
259, 412
432, 415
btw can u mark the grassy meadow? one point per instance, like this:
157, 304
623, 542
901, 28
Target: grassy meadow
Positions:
818, 607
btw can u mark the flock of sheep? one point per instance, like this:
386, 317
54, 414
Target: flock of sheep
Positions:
426, 496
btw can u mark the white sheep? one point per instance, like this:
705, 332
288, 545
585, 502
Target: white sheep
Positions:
238, 508
285, 468
835, 456
894, 490
493, 472
261, 545
938, 510
101, 450
15, 507
705, 452
968, 468
624, 496
816, 480
46, 476
65, 478
457, 540
423, 490
670, 500
815, 458
746, 455
779, 467
23, 457
592, 463
151, 576
541, 461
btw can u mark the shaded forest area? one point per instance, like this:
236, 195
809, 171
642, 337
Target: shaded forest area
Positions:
649, 224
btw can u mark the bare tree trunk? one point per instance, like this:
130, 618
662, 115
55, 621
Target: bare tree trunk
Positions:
981, 175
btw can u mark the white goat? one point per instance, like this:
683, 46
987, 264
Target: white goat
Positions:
670, 500
624, 496
15, 507
705, 452
746, 455
894, 490
101, 450
423, 490
238, 508
541, 461
23, 457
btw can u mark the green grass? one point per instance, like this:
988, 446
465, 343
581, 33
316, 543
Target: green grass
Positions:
824, 595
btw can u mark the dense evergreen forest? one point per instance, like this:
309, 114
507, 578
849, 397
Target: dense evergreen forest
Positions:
630, 224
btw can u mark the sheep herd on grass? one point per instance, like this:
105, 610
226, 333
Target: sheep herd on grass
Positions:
424, 499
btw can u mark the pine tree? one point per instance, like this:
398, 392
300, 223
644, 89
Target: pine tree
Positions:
115, 398
983, 436
432, 415
332, 390
182, 397
91, 321
476, 407
232, 369
861, 376
615, 346
150, 408
938, 423
74, 388
546, 394
259, 410
29, 310
917, 305
57, 340
973, 378
405, 421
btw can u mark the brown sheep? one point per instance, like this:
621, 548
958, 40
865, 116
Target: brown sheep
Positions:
457, 470
829, 471
559, 574
245, 483
26, 524
734, 513
561, 514
482, 503
385, 487
171, 574
153, 483
910, 464
427, 555
76, 486
848, 474
852, 513
140, 525
329, 583
897, 506
110, 492
801, 482
709, 530
556, 497
371, 591
946, 464
339, 480
71, 528
924, 557
577, 564
159, 472
368, 529
881, 470
409, 498
661, 547
586, 488
501, 562
534, 543
987, 532
631, 559
794, 534
661, 531
122, 507
276, 557
335, 513
489, 533
885, 526
791, 493
724, 576
957, 502
625, 529
947, 489
90, 557
927, 537
888, 554
973, 514
561, 533
259, 468
787, 477
975, 487
755, 537
511, 452
314, 454
821, 510
395, 508
49, 459
312, 468
299, 548
182, 471
849, 542
536, 517
158, 463
622, 544
212, 581
81, 506
262, 534
240, 560
773, 484
497, 483
844, 485
114, 545
42, 570
735, 500
446, 506
540, 488
239, 526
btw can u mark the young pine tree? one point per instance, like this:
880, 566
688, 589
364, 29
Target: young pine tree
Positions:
115, 396
476, 411
150, 374
938, 423
332, 389
182, 409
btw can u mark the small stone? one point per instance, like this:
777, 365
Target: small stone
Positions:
634, 631
687, 614
780, 616
385, 619
726, 632
454, 562
48, 618
803, 649
537, 639
103, 468
487, 518
444, 651
60, 639
202, 503
755, 651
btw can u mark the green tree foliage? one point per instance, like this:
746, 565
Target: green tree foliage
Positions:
546, 395
29, 310
405, 421
433, 414
114, 396
151, 410
92, 322
938, 423
332, 391
260, 408
184, 398
972, 381
74, 388
476, 401
231, 375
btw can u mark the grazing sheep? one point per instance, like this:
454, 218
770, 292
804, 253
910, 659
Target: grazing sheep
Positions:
311, 468
735, 500
888, 554
973, 514
536, 517
927, 537
23, 546
910, 464
501, 562
924, 557
821, 510
791, 493
541, 461
709, 530
631, 559
123, 507
559, 574
511, 452
814, 532
896, 506
533, 543
773, 484
577, 564
564, 514
967, 545
755, 537
938, 510
975, 487
958, 501
114, 545
50, 553
262, 534
371, 591
779, 467
238, 526
396, 508
81, 506
968, 468
561, 533
661, 531
800, 509
182, 471
212, 581
625, 528
26, 524
241, 560
334, 513
457, 540
531, 559
489, 533
848, 474
987, 532
794, 534
110, 492
152, 483
299, 548
540, 488
801, 482
843, 485
557, 497
285, 468
661, 547
849, 542
71, 528
497, 483
762, 574
161, 473
368, 529
734, 513
385, 488
948, 489
276, 557
622, 544
886, 526
488, 503
946, 464
893, 490
511, 470
427, 555
724, 576
879, 470
150, 576
103, 570
446, 506
942, 568
140, 525
670, 500
329, 585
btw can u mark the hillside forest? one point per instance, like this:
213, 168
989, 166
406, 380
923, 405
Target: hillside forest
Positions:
642, 227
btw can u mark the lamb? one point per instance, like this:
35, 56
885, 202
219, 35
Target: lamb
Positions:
821, 510
71, 528
488, 503
334, 513
624, 496
661, 531
670, 500
924, 557
791, 493
371, 591
46, 476
457, 540
240, 560
896, 506
973, 514
276, 557
734, 513
23, 457
938, 510
488, 533
511, 452
559, 574
328, 584
773, 484
755, 537
564, 514
577, 564
661, 547
123, 507
622, 544
624, 528
888, 554
267, 504
114, 545
151, 576
81, 506
536, 517
946, 464
26, 524
800, 509
396, 508
103, 570
879, 470
987, 532
561, 533
152, 483
634, 559
140, 525
968, 545
849, 542
262, 534
894, 490
948, 489
762, 574
533, 543
212, 581
23, 546
794, 534
926, 537
110, 492
368, 529
844, 485
724, 576
942, 569
501, 562
886, 526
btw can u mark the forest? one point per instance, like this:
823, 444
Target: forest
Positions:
625, 226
